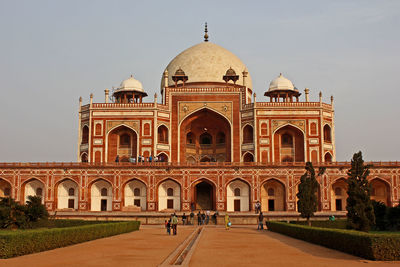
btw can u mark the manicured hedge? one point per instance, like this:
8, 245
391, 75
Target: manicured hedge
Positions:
17, 243
336, 224
61, 223
365, 245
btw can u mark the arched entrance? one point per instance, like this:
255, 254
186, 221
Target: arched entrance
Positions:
135, 194
289, 145
5, 188
122, 141
34, 187
273, 196
203, 195
169, 195
339, 195
238, 196
205, 134
101, 196
67, 195
380, 191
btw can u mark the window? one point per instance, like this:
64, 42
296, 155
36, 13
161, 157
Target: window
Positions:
338, 191
104, 192
146, 129
247, 134
136, 192
125, 140
190, 138
85, 134
205, 139
170, 192
271, 192
327, 133
313, 128
287, 140
98, 129
237, 192
71, 192
264, 129
39, 192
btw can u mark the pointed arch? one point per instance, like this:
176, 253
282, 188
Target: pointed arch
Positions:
33, 187
113, 146
5, 188
283, 151
339, 194
275, 199
64, 196
135, 193
238, 195
248, 134
98, 200
248, 157
165, 200
380, 190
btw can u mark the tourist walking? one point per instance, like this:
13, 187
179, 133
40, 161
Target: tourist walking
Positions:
183, 219
174, 224
168, 226
203, 218
191, 218
199, 218
207, 216
257, 207
227, 222
260, 221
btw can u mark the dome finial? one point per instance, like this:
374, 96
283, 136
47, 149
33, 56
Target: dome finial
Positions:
205, 33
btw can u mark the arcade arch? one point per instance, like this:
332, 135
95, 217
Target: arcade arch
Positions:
169, 195
327, 133
273, 196
289, 144
101, 196
121, 141
203, 195
380, 191
339, 195
162, 134
205, 134
238, 196
135, 194
248, 134
5, 188
67, 195
34, 187
248, 157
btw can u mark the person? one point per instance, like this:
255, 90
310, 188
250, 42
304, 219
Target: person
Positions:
191, 218
203, 218
139, 159
117, 159
174, 222
155, 159
207, 216
199, 218
260, 221
150, 159
227, 222
168, 226
257, 207
131, 159
183, 219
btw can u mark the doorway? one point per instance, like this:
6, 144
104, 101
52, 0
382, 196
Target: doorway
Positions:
271, 205
170, 203
338, 204
71, 203
204, 196
103, 205
236, 204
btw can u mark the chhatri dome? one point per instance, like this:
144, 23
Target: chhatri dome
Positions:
282, 87
206, 62
131, 84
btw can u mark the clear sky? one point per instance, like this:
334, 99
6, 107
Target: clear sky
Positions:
53, 52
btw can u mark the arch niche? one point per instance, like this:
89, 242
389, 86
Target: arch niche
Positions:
205, 133
5, 188
273, 196
339, 195
135, 194
67, 195
238, 196
34, 187
101, 196
289, 144
169, 195
121, 141
203, 195
380, 191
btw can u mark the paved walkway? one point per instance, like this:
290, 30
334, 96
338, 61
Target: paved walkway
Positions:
240, 246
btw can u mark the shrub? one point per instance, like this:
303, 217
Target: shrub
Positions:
380, 210
35, 210
366, 245
12, 214
61, 223
17, 243
393, 218
336, 224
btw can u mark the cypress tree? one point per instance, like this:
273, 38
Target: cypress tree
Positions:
307, 195
360, 212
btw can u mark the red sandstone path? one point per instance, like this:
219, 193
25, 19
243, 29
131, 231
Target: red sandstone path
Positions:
240, 246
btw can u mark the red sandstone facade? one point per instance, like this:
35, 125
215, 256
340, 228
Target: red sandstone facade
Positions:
216, 146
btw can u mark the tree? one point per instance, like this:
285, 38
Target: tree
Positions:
360, 212
12, 214
308, 202
35, 210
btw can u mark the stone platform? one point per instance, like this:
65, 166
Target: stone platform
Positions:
153, 218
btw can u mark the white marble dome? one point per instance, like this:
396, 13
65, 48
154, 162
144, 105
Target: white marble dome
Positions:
281, 83
206, 62
131, 84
